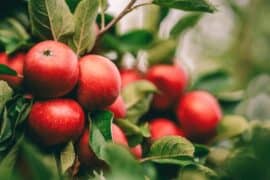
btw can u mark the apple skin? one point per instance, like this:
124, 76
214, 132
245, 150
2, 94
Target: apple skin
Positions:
56, 121
51, 69
137, 151
129, 76
199, 114
171, 80
16, 63
161, 127
99, 82
118, 108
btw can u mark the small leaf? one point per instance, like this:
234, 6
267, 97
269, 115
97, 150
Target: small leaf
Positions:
5, 94
134, 133
201, 150
185, 23
137, 97
67, 157
188, 5
171, 147
197, 172
100, 130
5, 70
50, 19
230, 126
122, 163
162, 52
84, 36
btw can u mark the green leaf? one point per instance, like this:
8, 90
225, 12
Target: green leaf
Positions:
199, 172
214, 81
185, 23
15, 113
231, 126
5, 93
13, 34
84, 36
201, 150
122, 163
5, 70
132, 41
187, 5
134, 133
171, 149
137, 97
67, 157
162, 52
51, 19
37, 163
100, 130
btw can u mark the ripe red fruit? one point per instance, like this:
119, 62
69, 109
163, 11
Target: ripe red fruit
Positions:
51, 69
86, 155
129, 76
161, 127
137, 151
171, 81
99, 82
118, 108
199, 114
56, 121
16, 63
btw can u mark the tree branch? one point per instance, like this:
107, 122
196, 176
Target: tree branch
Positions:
125, 11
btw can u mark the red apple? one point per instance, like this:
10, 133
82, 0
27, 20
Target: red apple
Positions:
99, 82
118, 135
199, 114
118, 108
161, 127
16, 63
56, 121
129, 76
137, 151
51, 69
171, 81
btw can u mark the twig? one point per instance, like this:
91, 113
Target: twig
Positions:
125, 11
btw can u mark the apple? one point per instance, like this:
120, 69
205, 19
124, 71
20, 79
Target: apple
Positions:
199, 114
56, 121
137, 151
99, 82
129, 76
171, 80
51, 69
161, 127
16, 63
118, 108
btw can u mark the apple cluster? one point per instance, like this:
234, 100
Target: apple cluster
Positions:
65, 87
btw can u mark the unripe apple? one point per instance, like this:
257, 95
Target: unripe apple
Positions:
137, 151
118, 108
16, 63
171, 81
199, 114
51, 69
56, 121
99, 82
129, 76
161, 127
